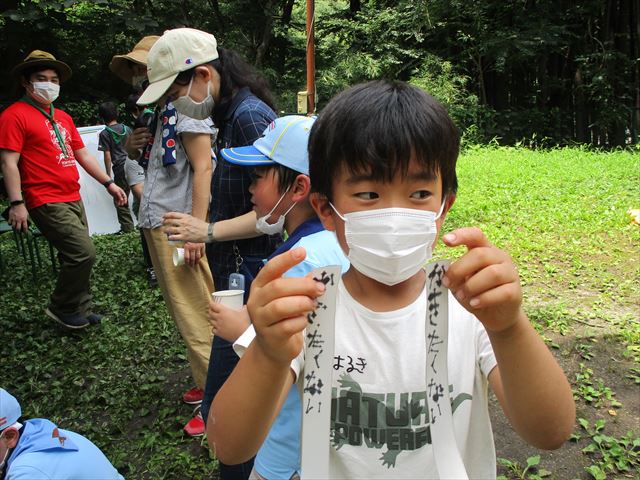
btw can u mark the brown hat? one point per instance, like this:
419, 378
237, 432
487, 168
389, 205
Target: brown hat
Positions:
38, 59
120, 63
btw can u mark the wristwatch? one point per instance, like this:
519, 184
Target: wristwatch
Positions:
108, 182
210, 238
15, 203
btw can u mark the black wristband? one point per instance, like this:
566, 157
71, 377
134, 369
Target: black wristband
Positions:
15, 203
107, 183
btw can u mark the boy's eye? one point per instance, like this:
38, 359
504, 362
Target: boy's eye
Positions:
421, 194
367, 195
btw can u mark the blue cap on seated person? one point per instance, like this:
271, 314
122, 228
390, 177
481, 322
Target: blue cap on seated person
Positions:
10, 410
283, 142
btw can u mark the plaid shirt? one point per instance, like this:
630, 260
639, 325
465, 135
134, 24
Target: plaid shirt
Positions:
245, 120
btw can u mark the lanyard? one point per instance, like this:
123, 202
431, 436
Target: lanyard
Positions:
59, 137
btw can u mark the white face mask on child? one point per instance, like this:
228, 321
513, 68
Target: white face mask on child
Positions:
267, 228
390, 245
198, 110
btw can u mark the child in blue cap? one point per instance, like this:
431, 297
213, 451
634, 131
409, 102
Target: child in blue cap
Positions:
39, 449
280, 195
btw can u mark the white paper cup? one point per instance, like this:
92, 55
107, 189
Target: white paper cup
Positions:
230, 298
178, 257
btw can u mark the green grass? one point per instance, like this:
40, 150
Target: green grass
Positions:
560, 213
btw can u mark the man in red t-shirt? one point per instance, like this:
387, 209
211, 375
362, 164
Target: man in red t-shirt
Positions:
39, 147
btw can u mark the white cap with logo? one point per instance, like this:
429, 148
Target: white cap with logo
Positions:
175, 51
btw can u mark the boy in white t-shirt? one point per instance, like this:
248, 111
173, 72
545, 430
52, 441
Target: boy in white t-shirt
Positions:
382, 165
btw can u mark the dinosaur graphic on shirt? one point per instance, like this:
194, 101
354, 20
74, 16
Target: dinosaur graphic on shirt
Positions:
399, 421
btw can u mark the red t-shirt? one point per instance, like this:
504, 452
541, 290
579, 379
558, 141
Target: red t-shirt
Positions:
47, 176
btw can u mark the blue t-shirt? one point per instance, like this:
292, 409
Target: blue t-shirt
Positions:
279, 456
47, 452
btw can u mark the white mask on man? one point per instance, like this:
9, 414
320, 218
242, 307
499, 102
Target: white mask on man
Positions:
46, 92
390, 245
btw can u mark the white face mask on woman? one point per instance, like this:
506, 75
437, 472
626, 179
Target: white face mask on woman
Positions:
267, 228
390, 245
45, 92
198, 110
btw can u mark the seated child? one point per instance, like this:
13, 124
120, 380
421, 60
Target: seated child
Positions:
382, 161
280, 192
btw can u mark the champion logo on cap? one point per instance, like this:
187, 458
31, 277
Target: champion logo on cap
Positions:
188, 61
3, 420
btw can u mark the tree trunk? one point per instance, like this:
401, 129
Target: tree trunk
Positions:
267, 33
581, 121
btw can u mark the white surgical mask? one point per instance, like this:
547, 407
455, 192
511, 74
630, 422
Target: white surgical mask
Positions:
390, 245
198, 110
46, 92
267, 228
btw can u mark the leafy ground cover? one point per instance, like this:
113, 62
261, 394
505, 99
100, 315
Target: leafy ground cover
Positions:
561, 214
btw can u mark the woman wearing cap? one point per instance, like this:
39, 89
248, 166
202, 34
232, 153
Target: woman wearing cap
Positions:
204, 81
176, 151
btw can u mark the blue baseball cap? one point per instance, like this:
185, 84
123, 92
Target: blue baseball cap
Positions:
283, 142
10, 410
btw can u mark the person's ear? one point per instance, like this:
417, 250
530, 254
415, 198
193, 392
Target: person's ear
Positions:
203, 73
320, 204
11, 437
448, 203
301, 188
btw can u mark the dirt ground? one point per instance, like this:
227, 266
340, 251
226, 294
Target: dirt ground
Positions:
569, 462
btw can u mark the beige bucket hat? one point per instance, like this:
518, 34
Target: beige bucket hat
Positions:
121, 64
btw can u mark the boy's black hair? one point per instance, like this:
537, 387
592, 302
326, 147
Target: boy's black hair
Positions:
377, 128
235, 73
286, 176
108, 111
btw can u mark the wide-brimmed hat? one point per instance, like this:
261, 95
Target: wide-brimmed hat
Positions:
39, 58
283, 142
177, 50
120, 64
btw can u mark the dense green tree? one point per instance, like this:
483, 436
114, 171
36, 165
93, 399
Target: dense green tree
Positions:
544, 71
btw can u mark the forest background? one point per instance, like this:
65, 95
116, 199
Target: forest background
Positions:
534, 72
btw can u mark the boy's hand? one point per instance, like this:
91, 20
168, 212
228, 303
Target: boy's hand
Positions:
228, 323
279, 306
193, 252
138, 139
484, 280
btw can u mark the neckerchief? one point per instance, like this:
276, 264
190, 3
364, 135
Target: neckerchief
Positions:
49, 116
169, 118
117, 137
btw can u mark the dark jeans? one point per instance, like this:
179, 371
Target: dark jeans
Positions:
223, 360
65, 226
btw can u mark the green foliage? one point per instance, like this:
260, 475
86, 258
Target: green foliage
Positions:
595, 393
610, 455
530, 471
560, 213
541, 73
119, 383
